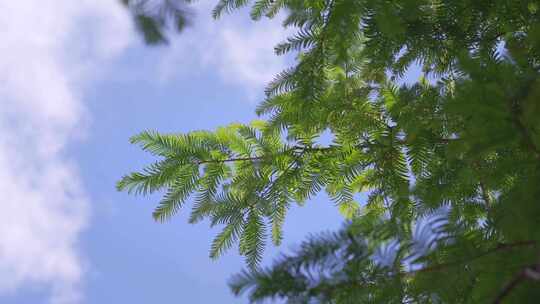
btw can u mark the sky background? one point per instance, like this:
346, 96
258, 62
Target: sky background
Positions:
75, 83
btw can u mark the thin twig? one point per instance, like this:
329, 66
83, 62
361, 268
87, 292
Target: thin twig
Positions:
200, 162
301, 149
509, 287
530, 272
527, 139
516, 111
454, 263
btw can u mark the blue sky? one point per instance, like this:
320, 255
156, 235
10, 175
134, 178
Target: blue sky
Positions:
75, 84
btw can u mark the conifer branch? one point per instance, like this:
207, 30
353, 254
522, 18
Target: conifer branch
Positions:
238, 159
299, 149
500, 247
388, 146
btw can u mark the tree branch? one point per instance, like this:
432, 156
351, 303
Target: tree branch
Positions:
516, 110
301, 149
200, 162
488, 252
525, 133
509, 287
529, 272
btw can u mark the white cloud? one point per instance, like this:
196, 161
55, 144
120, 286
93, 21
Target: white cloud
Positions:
51, 52
240, 52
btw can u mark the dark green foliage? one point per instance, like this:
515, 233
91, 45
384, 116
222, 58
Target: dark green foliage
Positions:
459, 148
153, 18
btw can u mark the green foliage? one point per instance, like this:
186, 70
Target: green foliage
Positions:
153, 18
343, 267
463, 141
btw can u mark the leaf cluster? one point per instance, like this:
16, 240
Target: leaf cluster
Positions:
462, 141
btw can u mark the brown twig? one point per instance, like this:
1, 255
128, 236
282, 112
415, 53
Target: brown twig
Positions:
516, 111
509, 287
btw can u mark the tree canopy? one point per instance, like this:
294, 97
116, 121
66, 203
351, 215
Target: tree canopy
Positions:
450, 164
